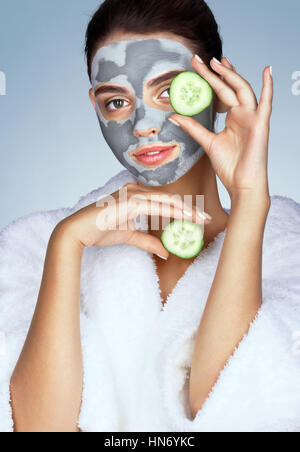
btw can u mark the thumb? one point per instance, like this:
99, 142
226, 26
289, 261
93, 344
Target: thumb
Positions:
148, 243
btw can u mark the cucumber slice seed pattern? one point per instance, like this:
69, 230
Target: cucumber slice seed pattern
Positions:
183, 239
190, 94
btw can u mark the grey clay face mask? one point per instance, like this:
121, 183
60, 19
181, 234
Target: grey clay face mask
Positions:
132, 63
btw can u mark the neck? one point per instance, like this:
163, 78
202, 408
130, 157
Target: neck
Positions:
201, 180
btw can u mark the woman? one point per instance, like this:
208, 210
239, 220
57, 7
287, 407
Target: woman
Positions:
124, 336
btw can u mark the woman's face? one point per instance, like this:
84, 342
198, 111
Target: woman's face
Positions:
131, 77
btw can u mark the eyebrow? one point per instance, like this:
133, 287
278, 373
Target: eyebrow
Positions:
112, 89
163, 78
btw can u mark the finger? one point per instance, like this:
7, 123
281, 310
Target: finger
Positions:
131, 225
223, 91
243, 89
266, 100
171, 199
148, 243
196, 130
220, 106
166, 198
228, 64
168, 211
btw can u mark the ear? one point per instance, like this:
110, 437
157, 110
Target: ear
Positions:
92, 98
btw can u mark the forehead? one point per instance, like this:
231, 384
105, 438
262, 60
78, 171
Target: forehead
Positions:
135, 61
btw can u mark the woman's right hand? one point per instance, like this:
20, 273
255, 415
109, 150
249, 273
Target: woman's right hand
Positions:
46, 395
111, 220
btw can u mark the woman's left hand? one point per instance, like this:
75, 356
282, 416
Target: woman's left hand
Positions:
238, 154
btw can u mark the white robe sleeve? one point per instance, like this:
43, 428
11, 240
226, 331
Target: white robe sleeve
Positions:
99, 410
23, 246
259, 389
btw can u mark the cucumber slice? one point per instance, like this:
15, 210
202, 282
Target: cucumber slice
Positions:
184, 239
190, 94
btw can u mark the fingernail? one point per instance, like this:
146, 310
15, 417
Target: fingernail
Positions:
174, 122
271, 71
204, 215
162, 257
198, 58
201, 215
188, 214
217, 61
228, 60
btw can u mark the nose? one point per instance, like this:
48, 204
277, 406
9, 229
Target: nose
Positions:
146, 133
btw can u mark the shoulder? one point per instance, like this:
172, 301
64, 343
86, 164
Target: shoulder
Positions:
33, 231
23, 247
34, 223
282, 233
284, 214
281, 259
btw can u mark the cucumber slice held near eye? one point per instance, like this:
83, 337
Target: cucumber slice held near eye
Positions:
183, 238
190, 94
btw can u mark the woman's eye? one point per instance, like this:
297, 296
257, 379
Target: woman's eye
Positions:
117, 104
165, 94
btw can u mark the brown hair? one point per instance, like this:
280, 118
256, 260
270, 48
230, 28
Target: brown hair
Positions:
190, 19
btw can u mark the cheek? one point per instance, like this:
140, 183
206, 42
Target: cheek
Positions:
118, 137
172, 132
206, 118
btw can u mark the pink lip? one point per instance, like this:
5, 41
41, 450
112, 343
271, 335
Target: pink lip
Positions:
164, 153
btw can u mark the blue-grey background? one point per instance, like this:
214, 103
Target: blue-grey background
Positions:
52, 151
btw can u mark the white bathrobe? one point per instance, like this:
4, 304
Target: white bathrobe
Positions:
137, 357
